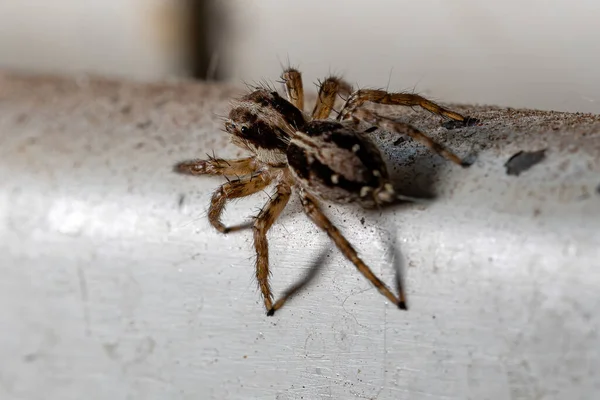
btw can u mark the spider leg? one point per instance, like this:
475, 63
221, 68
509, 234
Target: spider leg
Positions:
328, 91
311, 208
357, 99
406, 129
269, 213
235, 188
217, 166
292, 79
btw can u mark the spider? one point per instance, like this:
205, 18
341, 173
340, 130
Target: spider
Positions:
318, 157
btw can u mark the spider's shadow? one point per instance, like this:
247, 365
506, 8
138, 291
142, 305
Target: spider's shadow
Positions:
388, 236
317, 265
414, 169
398, 264
416, 177
311, 273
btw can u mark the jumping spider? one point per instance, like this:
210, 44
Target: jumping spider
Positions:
321, 158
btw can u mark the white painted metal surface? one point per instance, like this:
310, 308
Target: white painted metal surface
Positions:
114, 286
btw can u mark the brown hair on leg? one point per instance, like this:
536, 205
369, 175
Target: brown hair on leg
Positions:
267, 216
311, 208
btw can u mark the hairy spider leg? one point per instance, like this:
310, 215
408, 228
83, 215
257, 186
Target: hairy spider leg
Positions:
328, 92
218, 166
292, 80
391, 125
357, 99
240, 187
264, 220
311, 208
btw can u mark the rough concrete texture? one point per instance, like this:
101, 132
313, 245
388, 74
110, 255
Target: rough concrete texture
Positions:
115, 286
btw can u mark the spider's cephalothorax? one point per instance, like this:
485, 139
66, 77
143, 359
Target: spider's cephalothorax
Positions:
324, 159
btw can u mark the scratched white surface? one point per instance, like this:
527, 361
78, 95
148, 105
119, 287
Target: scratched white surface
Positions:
114, 286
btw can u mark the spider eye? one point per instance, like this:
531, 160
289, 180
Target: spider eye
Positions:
244, 129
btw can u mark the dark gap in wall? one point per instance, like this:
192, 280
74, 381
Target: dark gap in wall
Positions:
206, 21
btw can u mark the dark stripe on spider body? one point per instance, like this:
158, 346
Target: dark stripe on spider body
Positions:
337, 163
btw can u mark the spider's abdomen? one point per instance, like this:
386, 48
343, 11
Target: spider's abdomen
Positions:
338, 163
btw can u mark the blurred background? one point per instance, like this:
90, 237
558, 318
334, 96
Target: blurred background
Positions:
537, 53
